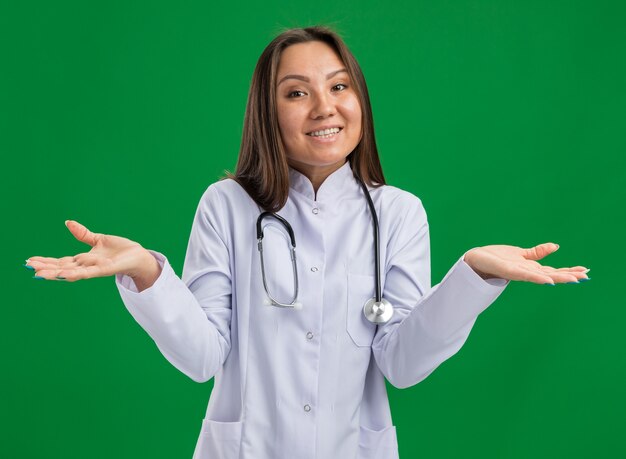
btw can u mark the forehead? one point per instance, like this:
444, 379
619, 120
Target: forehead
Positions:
308, 59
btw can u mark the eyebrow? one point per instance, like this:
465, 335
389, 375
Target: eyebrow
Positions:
306, 79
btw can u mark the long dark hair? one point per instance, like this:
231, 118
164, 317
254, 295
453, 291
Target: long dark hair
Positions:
262, 168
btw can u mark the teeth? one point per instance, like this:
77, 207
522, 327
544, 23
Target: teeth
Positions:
324, 132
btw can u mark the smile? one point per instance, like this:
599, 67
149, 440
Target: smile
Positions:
325, 133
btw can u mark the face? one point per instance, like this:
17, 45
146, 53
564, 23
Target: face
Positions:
319, 114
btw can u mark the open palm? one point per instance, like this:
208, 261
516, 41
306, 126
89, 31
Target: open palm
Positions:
515, 263
109, 255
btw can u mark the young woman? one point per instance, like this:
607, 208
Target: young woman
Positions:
300, 346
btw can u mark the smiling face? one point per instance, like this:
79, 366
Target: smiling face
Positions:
319, 114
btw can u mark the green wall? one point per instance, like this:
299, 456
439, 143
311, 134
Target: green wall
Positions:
506, 118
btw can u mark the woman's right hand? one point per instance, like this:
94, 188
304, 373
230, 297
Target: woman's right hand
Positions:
109, 255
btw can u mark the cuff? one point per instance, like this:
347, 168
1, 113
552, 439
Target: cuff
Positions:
480, 283
446, 311
462, 295
127, 286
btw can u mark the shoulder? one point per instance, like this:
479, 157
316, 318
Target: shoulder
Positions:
398, 204
402, 216
223, 208
225, 203
225, 195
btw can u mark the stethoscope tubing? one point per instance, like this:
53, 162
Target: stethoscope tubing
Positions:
259, 236
376, 310
376, 241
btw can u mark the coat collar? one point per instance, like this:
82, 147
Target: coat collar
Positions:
340, 182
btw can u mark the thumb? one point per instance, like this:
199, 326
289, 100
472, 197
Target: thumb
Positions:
540, 251
81, 233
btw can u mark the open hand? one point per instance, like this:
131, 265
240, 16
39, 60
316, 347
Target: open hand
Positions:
514, 263
109, 255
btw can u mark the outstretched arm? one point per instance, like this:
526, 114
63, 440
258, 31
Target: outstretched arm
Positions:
431, 324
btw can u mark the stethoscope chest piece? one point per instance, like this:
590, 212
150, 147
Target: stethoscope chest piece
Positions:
378, 312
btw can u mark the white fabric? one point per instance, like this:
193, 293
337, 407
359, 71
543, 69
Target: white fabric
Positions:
278, 392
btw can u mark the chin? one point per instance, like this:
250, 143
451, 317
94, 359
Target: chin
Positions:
315, 163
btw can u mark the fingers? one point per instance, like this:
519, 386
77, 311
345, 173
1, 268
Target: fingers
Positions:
81, 233
48, 260
574, 269
532, 275
553, 276
71, 274
540, 251
81, 266
47, 263
562, 275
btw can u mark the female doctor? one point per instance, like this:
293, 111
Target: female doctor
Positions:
299, 369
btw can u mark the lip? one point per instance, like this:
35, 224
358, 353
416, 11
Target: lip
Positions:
321, 128
330, 140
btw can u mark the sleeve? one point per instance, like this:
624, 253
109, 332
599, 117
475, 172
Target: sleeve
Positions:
429, 325
189, 318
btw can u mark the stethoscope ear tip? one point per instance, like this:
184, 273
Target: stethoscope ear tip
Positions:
297, 306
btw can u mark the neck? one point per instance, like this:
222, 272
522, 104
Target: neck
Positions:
316, 174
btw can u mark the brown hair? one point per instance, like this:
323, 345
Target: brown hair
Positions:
262, 168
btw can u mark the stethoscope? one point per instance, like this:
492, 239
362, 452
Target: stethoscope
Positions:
377, 310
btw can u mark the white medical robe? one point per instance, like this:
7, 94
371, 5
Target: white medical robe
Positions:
308, 383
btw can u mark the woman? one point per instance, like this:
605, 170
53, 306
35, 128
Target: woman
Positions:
307, 381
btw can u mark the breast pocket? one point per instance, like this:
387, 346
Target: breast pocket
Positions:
360, 289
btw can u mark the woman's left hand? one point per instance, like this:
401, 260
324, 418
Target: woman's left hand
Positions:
514, 263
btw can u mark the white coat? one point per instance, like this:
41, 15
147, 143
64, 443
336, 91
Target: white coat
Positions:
306, 383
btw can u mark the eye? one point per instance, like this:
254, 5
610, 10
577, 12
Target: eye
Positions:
340, 87
294, 94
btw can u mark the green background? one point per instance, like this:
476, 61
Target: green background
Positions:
507, 119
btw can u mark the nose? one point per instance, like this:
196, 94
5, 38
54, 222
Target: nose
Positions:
323, 106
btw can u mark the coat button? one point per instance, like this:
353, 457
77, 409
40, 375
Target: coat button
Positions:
309, 335
307, 408
314, 269
315, 210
